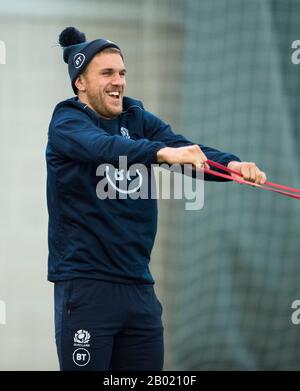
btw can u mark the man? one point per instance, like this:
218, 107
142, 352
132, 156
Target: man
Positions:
107, 315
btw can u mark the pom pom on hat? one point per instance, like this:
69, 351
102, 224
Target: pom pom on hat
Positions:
71, 36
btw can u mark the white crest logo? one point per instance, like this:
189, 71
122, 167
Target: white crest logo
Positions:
124, 132
82, 336
78, 60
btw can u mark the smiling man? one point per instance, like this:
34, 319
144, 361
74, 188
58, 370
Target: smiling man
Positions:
101, 86
107, 315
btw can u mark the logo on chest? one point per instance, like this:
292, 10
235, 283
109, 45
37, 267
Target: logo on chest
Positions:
124, 132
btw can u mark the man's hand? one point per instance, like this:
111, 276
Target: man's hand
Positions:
249, 171
191, 154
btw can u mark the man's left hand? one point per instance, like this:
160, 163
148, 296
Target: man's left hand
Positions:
249, 171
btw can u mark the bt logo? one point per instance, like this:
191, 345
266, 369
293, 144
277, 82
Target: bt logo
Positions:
81, 357
78, 60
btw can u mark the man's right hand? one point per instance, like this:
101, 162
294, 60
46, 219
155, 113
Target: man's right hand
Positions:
191, 154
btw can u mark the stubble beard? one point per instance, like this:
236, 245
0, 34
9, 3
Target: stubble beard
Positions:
102, 109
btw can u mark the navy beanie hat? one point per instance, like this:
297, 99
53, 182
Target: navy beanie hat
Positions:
78, 52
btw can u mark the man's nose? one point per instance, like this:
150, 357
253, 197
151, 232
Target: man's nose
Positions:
118, 80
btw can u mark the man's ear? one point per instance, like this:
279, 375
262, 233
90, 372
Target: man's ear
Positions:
80, 83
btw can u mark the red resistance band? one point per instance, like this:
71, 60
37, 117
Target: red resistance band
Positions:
267, 185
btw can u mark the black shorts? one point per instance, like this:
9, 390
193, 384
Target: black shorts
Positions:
102, 326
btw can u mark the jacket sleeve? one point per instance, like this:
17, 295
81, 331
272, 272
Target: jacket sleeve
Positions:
73, 135
157, 130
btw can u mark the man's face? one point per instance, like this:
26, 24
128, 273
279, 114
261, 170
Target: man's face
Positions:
102, 85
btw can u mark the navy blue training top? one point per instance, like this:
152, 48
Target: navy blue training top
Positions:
106, 239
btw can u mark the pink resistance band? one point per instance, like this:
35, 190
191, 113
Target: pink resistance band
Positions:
267, 185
